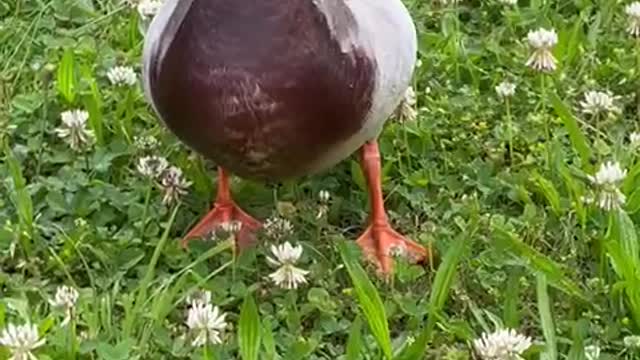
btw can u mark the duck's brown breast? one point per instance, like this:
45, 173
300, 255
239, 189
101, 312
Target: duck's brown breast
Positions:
264, 88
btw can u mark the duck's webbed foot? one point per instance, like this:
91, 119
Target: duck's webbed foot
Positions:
226, 214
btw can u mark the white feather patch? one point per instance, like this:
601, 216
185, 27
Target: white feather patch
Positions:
159, 37
386, 32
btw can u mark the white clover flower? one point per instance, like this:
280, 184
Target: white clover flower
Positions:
145, 143
277, 227
149, 8
634, 139
323, 210
542, 38
596, 102
503, 344
285, 253
607, 181
633, 11
542, 42
406, 110
152, 166
205, 322
506, 89
65, 298
324, 196
122, 76
508, 2
73, 129
632, 341
84, 335
21, 340
174, 185
610, 173
287, 276
609, 200
592, 352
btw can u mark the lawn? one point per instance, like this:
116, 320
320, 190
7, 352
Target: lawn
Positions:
515, 159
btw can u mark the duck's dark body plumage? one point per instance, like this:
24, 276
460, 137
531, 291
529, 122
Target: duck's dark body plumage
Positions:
261, 88
278, 88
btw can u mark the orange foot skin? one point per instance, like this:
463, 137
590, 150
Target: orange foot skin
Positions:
224, 211
379, 242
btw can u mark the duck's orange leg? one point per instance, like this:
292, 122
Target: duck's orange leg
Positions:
380, 241
225, 210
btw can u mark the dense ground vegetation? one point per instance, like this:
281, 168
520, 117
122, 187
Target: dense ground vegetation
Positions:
494, 166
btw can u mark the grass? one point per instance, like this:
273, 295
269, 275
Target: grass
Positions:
496, 187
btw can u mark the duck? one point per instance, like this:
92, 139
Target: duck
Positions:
273, 90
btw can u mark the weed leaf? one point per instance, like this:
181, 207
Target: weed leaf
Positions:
249, 335
66, 77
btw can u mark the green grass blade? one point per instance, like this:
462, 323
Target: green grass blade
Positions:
578, 140
549, 191
574, 40
145, 283
538, 262
579, 332
357, 176
148, 277
354, 343
575, 193
633, 203
629, 184
445, 275
249, 335
622, 230
546, 319
21, 200
370, 302
66, 77
3, 312
621, 263
93, 105
439, 292
511, 314
268, 341
621, 246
